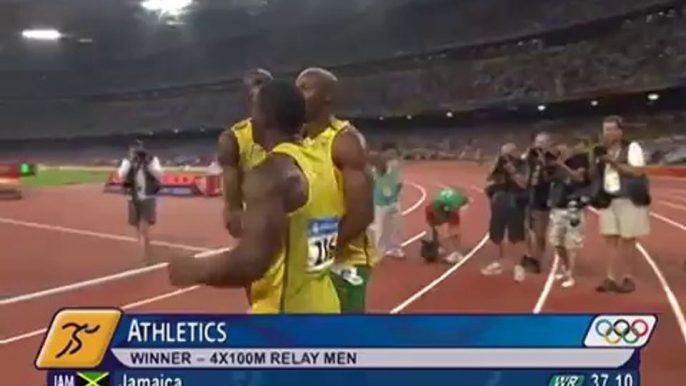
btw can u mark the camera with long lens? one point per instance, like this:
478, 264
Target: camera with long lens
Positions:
140, 155
574, 207
573, 213
502, 161
536, 153
599, 151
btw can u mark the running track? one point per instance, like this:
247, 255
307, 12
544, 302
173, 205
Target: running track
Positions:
57, 241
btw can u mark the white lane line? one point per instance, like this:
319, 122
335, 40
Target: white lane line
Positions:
132, 272
675, 197
80, 285
139, 303
671, 298
439, 279
669, 178
669, 221
154, 299
100, 235
181, 291
671, 205
549, 281
419, 202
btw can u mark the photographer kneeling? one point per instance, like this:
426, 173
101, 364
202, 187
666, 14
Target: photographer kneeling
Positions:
141, 173
568, 198
506, 189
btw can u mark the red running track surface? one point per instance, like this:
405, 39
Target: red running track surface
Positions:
43, 257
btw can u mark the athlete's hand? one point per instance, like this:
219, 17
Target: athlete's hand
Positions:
233, 221
183, 271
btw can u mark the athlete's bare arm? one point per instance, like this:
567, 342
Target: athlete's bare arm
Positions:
232, 179
265, 223
350, 157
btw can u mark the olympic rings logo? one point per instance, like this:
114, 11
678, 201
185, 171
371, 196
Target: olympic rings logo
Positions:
622, 330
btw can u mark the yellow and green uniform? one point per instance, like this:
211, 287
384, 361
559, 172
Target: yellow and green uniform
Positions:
298, 280
355, 260
250, 154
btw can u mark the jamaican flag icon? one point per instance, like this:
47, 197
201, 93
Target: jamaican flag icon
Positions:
92, 378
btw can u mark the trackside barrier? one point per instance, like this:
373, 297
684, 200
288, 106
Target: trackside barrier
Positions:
175, 184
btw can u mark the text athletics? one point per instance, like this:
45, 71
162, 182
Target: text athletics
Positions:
141, 331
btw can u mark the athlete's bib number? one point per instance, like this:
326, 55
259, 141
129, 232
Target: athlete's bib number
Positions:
321, 243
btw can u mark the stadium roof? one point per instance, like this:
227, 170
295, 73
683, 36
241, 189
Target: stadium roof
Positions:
123, 29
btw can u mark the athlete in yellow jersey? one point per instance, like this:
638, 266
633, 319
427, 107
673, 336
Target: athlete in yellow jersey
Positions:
238, 153
346, 151
291, 219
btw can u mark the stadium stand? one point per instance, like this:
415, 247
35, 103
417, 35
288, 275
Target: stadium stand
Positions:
469, 60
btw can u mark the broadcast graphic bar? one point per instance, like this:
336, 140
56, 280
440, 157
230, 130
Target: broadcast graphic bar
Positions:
381, 358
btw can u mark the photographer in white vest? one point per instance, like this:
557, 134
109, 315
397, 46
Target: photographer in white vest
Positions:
141, 173
622, 197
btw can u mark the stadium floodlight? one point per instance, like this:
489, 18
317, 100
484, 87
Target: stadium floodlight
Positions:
170, 8
41, 34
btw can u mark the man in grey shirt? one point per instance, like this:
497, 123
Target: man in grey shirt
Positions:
141, 173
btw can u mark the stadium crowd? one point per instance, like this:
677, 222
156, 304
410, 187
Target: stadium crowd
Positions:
570, 49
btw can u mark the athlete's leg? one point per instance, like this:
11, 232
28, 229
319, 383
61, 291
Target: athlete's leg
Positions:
394, 243
352, 291
357, 294
148, 218
377, 228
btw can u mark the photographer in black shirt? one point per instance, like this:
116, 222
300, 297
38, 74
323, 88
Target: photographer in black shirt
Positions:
568, 196
540, 161
506, 190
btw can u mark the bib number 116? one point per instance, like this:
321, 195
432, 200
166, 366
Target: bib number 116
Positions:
322, 252
326, 246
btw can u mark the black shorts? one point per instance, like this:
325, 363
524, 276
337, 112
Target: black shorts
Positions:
507, 216
142, 210
536, 213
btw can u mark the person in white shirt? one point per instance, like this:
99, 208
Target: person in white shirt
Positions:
141, 173
625, 215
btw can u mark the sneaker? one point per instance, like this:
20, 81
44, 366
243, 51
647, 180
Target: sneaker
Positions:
525, 261
397, 253
608, 285
454, 258
627, 286
561, 273
495, 268
568, 282
530, 264
535, 267
519, 273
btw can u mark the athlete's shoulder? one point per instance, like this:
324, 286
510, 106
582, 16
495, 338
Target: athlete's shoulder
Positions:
349, 149
241, 125
232, 133
351, 136
280, 172
228, 148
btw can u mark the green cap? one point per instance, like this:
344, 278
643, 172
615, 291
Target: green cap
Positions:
450, 200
